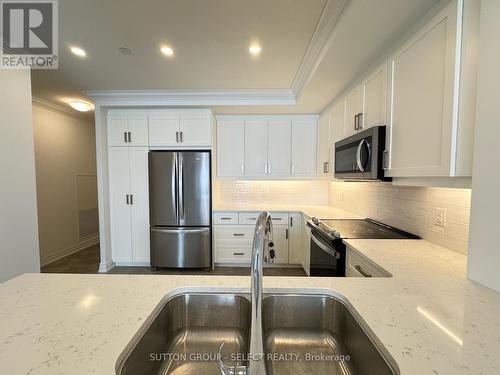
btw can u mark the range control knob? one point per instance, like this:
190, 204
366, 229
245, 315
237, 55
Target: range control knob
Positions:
315, 220
335, 234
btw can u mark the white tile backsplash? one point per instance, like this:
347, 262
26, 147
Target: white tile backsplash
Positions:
409, 208
273, 192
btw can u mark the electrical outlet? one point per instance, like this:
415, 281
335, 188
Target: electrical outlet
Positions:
440, 217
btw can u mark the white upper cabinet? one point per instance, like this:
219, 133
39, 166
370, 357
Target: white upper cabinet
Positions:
427, 137
164, 129
195, 129
278, 146
324, 161
281, 147
180, 128
231, 148
374, 99
160, 128
353, 111
127, 130
304, 147
256, 148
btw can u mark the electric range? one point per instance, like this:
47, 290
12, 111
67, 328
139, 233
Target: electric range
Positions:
327, 249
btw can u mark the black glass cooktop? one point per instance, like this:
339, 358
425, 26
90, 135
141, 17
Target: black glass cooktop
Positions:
361, 228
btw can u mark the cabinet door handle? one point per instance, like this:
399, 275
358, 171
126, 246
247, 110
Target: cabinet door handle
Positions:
177, 137
238, 253
269, 169
238, 234
360, 270
360, 120
291, 221
129, 137
131, 198
125, 137
265, 168
286, 234
225, 218
181, 137
293, 168
127, 199
242, 168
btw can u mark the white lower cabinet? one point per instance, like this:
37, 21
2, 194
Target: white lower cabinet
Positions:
233, 237
129, 198
359, 266
295, 238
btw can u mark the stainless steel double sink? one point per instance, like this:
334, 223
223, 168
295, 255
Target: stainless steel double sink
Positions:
303, 334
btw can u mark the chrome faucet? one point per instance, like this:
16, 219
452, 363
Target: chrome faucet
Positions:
262, 251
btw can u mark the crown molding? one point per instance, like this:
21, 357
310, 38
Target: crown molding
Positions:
319, 44
191, 97
59, 108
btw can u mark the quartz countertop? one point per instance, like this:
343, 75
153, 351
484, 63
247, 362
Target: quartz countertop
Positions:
323, 212
431, 319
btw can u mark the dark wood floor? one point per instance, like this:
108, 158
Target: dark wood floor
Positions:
87, 261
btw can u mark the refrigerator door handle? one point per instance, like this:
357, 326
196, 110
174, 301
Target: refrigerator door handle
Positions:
181, 230
174, 187
181, 188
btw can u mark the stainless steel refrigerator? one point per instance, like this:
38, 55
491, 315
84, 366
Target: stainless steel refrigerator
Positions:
180, 209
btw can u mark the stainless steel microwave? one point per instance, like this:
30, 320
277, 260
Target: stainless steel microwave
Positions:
360, 157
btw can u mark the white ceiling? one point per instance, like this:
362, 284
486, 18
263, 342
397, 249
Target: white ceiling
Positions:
211, 38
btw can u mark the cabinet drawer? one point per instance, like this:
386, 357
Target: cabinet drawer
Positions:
250, 218
233, 253
226, 218
234, 233
357, 266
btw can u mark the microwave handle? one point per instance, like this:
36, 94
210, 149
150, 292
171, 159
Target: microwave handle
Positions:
358, 154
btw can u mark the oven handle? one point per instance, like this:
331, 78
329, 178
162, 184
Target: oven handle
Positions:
325, 248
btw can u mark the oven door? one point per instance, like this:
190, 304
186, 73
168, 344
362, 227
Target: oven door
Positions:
325, 259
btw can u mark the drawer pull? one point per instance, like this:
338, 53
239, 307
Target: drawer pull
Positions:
360, 270
226, 218
277, 218
238, 253
252, 218
238, 234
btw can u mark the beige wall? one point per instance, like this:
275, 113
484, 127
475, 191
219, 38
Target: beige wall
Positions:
18, 212
484, 249
65, 178
271, 192
409, 208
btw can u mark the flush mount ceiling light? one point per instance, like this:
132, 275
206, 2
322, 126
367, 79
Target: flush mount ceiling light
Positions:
167, 51
254, 49
80, 106
78, 51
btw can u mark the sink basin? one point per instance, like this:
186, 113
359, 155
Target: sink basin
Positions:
183, 334
323, 333
303, 334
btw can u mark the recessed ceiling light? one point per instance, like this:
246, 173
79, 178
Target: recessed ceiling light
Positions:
78, 51
167, 51
80, 106
254, 49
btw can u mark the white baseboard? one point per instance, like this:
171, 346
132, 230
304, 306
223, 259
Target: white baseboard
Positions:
106, 266
132, 264
59, 254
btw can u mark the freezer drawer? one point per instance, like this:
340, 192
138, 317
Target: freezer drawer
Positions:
181, 247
